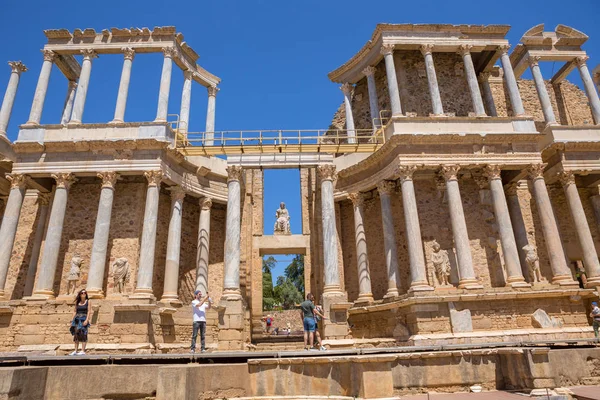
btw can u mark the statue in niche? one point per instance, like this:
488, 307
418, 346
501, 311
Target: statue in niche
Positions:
533, 262
441, 263
74, 273
282, 221
120, 272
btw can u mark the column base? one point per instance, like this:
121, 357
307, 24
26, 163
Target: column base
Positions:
73, 123
593, 282
564, 280
231, 294
31, 123
519, 284
160, 120
43, 294
421, 286
116, 121
143, 295
332, 289
391, 293
336, 324
95, 293
365, 298
469, 284
170, 298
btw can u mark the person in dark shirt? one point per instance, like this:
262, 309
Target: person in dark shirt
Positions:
307, 313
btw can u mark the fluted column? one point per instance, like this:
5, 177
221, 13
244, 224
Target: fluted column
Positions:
484, 80
434, 90
327, 175
511, 82
365, 293
465, 53
69, 100
95, 283
43, 202
590, 90
171, 283
82, 87
459, 229
165, 84
210, 116
590, 256
416, 257
369, 72
37, 106
143, 287
518, 224
561, 273
347, 90
128, 55
385, 189
186, 98
231, 283
11, 92
44, 286
390, 69
542, 92
507, 237
203, 248
10, 222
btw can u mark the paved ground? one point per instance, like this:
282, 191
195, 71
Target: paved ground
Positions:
465, 396
587, 392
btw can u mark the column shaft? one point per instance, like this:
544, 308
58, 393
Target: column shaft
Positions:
82, 87
203, 248
390, 70
186, 98
365, 293
210, 116
386, 188
330, 251
347, 89
11, 92
373, 106
540, 87
165, 85
69, 100
590, 90
472, 80
129, 54
171, 283
43, 201
516, 217
511, 82
434, 90
231, 283
487, 94
10, 222
39, 97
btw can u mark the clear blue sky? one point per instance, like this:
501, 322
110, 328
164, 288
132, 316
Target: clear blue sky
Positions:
273, 56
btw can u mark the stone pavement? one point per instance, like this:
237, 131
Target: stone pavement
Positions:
586, 392
464, 396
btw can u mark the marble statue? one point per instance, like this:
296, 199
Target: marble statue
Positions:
74, 273
533, 262
282, 221
120, 272
441, 262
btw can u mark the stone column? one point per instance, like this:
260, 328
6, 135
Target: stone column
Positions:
390, 69
186, 98
540, 87
39, 97
43, 202
369, 72
331, 279
434, 90
82, 87
385, 189
143, 289
10, 222
347, 90
561, 273
165, 84
210, 116
465, 52
511, 82
507, 237
590, 90
365, 293
11, 92
203, 249
128, 55
487, 94
459, 229
44, 286
173, 247
590, 256
69, 100
95, 283
516, 217
416, 257
231, 283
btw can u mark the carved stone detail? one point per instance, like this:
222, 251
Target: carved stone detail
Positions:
503, 49
154, 177
206, 203
536, 171
169, 52
533, 60
464, 49
234, 173
493, 171
212, 90
450, 172
581, 60
43, 199
49, 55
566, 178
89, 54
357, 198
177, 193
128, 53
405, 172
387, 48
109, 178
386, 187
64, 179
327, 172
17, 180
17, 66
369, 71
346, 88
426, 49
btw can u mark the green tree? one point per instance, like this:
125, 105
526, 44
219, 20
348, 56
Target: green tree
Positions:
287, 293
295, 272
267, 283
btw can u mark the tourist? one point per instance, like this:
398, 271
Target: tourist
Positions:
199, 307
81, 322
319, 309
595, 314
307, 313
268, 322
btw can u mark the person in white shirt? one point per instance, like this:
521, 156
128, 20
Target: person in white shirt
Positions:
199, 307
595, 314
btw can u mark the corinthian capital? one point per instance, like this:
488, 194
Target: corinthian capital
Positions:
109, 178
17, 181
387, 48
327, 172
346, 88
206, 203
154, 177
17, 66
405, 172
188, 74
536, 171
212, 90
566, 178
234, 173
484, 77
533, 60
357, 198
492, 171
386, 187
503, 49
64, 180
128, 53
450, 172
89, 54
169, 52
464, 49
177, 193
581, 60
426, 49
48, 55
369, 71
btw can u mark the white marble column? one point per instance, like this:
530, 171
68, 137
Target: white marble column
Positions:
467, 279
590, 256
69, 100
590, 90
95, 283
128, 55
231, 282
385, 189
390, 69
347, 90
143, 287
165, 84
82, 86
186, 98
369, 72
37, 106
507, 237
11, 92
365, 293
210, 116
434, 90
43, 202
518, 224
561, 273
10, 222
44, 286
203, 248
327, 175
171, 284
484, 80
465, 53
511, 82
416, 257
542, 92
